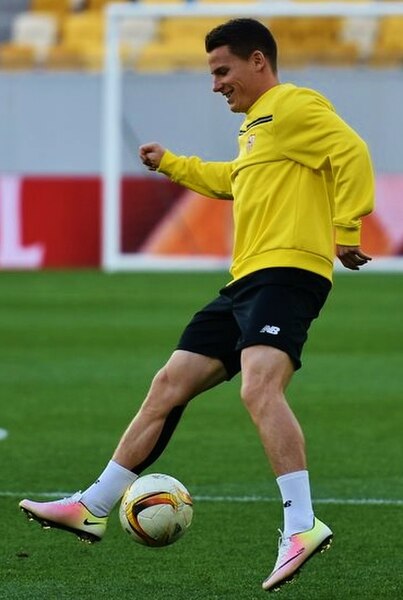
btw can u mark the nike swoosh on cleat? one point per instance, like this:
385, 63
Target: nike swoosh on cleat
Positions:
290, 560
87, 522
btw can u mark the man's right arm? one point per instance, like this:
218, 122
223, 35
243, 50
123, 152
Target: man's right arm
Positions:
211, 179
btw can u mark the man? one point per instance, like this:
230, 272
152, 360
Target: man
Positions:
302, 176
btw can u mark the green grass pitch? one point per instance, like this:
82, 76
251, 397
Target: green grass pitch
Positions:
77, 351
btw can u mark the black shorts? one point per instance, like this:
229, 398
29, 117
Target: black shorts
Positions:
273, 307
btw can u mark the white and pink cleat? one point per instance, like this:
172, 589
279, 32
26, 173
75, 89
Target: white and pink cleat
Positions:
69, 514
294, 551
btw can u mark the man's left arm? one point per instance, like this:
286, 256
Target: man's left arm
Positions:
320, 139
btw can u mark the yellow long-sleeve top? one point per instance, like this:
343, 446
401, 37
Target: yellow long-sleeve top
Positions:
301, 183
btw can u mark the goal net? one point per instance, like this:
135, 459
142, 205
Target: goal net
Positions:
157, 88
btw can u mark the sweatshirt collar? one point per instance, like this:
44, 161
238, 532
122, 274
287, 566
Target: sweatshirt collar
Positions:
271, 93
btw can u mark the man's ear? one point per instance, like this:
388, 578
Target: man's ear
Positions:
258, 59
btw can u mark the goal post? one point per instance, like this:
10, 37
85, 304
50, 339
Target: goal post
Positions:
112, 255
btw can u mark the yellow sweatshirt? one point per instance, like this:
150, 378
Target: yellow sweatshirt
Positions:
301, 183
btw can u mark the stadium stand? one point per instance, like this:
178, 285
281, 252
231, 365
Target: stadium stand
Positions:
32, 34
34, 28
100, 4
69, 34
301, 41
9, 9
58, 7
361, 31
308, 40
174, 34
134, 35
388, 46
80, 44
38, 30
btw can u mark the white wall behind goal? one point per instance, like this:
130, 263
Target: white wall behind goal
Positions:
51, 123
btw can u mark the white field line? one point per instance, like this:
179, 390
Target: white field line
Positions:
234, 499
340, 501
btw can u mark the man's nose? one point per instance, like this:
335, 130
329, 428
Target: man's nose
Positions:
217, 86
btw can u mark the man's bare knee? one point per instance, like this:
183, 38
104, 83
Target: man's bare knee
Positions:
163, 395
266, 372
183, 377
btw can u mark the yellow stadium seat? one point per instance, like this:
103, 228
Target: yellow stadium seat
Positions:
163, 1
134, 34
31, 36
88, 57
174, 28
332, 54
17, 57
178, 43
63, 58
390, 32
160, 57
51, 6
224, 2
362, 1
87, 26
388, 47
302, 29
308, 40
362, 32
92, 55
37, 30
101, 4
81, 43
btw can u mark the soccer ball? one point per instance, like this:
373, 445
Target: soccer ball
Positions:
156, 510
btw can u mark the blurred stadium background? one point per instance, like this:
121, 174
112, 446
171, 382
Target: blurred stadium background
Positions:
52, 122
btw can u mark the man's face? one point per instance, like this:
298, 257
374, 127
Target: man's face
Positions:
236, 78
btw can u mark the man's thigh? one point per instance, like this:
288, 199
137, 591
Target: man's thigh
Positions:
214, 332
278, 313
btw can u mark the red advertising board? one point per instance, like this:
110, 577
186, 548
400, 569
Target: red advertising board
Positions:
55, 222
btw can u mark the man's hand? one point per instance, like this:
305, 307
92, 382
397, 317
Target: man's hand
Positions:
352, 257
150, 155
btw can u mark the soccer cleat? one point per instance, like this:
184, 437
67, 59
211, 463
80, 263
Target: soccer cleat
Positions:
294, 551
69, 514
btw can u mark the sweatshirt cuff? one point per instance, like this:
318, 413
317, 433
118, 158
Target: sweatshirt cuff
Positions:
348, 236
167, 162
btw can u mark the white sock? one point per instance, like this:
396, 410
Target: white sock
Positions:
108, 489
297, 503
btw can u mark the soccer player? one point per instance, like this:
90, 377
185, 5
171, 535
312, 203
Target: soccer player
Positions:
300, 184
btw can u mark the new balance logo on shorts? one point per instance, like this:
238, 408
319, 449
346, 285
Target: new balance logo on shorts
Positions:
270, 329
